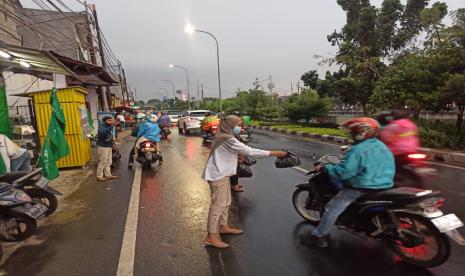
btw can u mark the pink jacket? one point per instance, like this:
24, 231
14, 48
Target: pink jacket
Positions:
401, 137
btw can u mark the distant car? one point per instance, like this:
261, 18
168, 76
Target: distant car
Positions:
174, 115
190, 120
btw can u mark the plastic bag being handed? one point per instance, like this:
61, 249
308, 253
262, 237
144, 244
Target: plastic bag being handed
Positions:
288, 161
243, 170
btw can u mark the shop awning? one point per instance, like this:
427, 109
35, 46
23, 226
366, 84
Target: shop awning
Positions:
86, 73
42, 63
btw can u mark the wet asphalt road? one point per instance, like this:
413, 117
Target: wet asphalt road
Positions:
172, 219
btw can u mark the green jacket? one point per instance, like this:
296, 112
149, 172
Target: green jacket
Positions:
368, 165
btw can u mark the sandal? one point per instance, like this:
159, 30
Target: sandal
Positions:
220, 245
237, 189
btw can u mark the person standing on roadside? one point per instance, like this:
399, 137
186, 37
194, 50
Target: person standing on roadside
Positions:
221, 164
122, 121
104, 148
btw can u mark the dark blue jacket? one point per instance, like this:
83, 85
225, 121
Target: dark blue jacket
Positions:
105, 136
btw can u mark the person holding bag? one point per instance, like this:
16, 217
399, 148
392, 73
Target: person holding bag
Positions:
221, 164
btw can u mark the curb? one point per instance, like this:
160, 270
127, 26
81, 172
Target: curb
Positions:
433, 154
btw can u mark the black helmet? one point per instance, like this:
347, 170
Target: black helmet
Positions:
384, 117
208, 114
399, 114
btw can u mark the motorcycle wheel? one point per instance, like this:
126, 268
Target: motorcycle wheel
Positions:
301, 199
186, 131
180, 130
25, 228
44, 197
433, 251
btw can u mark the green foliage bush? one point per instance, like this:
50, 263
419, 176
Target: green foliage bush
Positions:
440, 134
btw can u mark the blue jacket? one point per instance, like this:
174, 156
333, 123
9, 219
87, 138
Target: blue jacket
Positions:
368, 165
150, 131
164, 120
105, 135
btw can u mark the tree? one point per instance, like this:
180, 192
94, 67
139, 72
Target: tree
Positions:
372, 39
310, 79
454, 92
306, 106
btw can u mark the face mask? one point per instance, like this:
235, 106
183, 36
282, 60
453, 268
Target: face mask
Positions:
237, 129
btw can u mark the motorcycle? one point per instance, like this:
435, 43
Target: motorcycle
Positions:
408, 219
147, 155
412, 170
18, 212
165, 131
115, 153
208, 135
35, 185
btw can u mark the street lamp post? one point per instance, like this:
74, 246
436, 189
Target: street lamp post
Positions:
174, 92
187, 78
190, 30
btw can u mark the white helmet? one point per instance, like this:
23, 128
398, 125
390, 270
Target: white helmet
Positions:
153, 118
140, 116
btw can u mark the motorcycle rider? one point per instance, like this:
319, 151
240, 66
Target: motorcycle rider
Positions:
208, 121
366, 167
164, 120
140, 119
149, 131
400, 134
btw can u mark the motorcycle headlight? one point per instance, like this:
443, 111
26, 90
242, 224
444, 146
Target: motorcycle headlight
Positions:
22, 196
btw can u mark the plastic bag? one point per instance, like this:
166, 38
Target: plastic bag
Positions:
243, 170
249, 161
288, 161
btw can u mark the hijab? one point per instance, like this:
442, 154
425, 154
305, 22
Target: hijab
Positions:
225, 131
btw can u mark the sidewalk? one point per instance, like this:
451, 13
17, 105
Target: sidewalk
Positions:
70, 181
451, 157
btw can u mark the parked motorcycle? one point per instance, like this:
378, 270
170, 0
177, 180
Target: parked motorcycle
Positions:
209, 135
36, 186
409, 220
147, 155
18, 212
115, 153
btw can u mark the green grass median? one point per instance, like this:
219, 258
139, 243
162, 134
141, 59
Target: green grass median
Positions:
302, 128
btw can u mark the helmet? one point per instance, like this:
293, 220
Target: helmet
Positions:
384, 117
362, 128
140, 116
399, 114
208, 114
153, 118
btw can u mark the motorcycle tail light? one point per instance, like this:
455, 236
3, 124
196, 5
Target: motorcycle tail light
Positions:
23, 197
147, 145
417, 156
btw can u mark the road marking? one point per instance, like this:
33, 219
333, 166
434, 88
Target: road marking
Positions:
301, 169
128, 248
337, 145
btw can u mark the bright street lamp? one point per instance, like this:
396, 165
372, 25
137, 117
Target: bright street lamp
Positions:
187, 78
190, 30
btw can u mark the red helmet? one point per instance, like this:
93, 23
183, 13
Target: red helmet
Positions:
362, 128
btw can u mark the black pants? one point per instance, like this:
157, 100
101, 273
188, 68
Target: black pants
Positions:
234, 180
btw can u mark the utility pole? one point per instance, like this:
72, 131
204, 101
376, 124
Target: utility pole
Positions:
121, 81
292, 89
271, 86
198, 94
202, 92
104, 95
298, 88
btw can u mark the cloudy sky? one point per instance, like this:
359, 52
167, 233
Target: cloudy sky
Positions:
257, 38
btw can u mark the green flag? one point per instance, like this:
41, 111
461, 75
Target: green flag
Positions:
90, 121
2, 166
55, 145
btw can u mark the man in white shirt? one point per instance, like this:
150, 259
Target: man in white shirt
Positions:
121, 120
15, 158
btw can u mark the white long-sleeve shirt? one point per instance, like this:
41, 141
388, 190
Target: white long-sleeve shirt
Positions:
223, 161
9, 150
